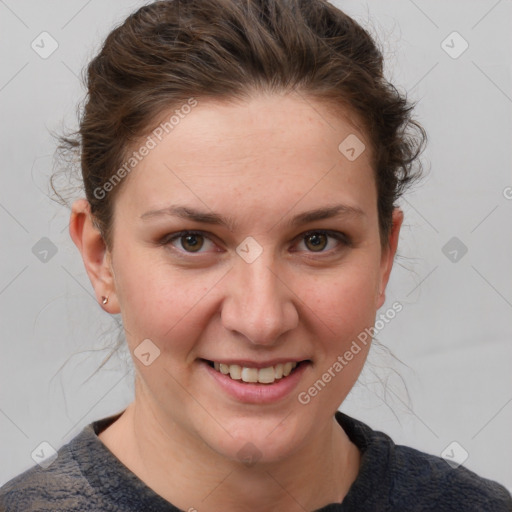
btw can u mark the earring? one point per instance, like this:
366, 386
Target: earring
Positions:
104, 300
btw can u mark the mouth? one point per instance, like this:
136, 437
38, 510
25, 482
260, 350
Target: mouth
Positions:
253, 375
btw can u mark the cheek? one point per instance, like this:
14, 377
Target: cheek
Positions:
345, 302
160, 302
343, 311
174, 306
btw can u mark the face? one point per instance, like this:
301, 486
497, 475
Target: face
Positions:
247, 238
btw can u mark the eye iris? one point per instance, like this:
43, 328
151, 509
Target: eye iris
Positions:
195, 242
317, 240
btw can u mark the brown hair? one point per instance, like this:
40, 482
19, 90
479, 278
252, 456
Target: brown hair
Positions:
170, 51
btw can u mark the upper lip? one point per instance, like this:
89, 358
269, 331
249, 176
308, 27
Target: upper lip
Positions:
259, 364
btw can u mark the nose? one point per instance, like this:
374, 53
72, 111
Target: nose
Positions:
258, 304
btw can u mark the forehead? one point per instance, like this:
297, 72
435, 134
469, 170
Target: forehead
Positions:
268, 151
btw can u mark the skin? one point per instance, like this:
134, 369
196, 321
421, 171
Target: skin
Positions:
259, 162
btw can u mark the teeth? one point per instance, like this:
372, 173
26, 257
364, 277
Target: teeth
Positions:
262, 375
266, 375
235, 372
250, 374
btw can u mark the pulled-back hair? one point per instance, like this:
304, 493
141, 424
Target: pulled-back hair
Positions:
170, 51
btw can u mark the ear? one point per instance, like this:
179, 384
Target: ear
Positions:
388, 255
97, 259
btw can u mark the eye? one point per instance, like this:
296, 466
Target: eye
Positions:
318, 241
189, 241
314, 241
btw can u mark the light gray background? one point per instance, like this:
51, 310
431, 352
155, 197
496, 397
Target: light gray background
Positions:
454, 333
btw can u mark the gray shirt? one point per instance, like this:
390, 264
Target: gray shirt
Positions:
87, 476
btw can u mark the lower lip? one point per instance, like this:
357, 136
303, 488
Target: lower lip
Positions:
255, 393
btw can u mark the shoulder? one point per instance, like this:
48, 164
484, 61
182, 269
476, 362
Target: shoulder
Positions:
60, 486
395, 478
420, 477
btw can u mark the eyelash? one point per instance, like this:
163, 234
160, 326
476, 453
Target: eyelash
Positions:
340, 237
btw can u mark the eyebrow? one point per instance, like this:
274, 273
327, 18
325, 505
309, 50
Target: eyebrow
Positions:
186, 212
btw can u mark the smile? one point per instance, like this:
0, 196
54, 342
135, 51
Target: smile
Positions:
266, 375
255, 382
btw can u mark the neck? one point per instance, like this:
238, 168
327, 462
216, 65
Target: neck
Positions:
190, 475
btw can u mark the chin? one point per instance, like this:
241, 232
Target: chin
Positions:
256, 440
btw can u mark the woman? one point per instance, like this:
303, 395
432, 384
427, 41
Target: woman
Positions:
241, 162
